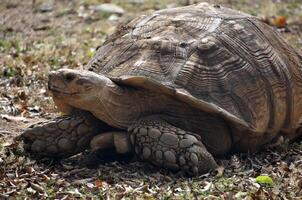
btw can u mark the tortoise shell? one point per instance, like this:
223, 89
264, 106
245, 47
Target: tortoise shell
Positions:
215, 59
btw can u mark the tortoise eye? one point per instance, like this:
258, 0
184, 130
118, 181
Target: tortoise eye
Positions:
69, 77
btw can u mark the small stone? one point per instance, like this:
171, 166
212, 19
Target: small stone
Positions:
194, 158
109, 8
146, 152
159, 155
46, 6
143, 131
52, 149
65, 144
182, 161
185, 143
113, 17
154, 133
170, 157
82, 129
38, 146
64, 124
169, 139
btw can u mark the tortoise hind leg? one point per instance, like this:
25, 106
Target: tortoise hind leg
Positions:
165, 145
109, 146
63, 136
118, 140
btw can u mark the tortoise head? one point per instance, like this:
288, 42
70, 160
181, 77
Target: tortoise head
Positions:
76, 88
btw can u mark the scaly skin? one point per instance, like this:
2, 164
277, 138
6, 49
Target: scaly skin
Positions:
153, 140
165, 145
63, 136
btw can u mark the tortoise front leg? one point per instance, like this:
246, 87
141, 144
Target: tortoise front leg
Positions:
63, 136
165, 145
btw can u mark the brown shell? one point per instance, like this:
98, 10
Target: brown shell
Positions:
216, 59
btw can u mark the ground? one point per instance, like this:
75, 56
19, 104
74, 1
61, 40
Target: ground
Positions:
42, 35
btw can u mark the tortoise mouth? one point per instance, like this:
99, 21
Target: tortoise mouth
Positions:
56, 90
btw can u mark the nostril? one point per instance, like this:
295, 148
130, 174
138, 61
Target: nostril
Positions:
69, 77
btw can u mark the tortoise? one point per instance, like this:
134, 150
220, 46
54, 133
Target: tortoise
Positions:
179, 88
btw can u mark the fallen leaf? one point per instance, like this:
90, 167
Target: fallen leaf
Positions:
45, 177
11, 118
75, 192
99, 183
37, 187
31, 190
263, 179
279, 21
29, 169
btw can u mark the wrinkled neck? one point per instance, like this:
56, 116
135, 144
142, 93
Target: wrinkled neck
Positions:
120, 106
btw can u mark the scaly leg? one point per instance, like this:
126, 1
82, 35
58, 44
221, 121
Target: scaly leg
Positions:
165, 145
63, 136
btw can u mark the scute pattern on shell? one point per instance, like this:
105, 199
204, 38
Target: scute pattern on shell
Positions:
216, 55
